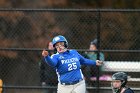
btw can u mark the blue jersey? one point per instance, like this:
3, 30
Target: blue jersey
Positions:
68, 65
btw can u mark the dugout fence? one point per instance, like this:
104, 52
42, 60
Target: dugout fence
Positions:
26, 32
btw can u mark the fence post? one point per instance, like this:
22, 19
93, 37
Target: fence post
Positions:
98, 47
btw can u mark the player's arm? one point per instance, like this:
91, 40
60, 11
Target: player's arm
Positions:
86, 61
50, 60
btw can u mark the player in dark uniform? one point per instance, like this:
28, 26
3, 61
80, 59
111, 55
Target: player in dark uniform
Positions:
118, 84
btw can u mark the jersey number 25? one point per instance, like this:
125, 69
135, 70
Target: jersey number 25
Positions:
72, 66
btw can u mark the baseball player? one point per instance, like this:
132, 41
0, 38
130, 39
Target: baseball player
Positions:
68, 66
118, 84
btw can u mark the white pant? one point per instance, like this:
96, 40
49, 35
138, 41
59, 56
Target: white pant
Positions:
76, 88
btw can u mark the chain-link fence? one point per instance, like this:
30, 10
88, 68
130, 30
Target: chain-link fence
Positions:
24, 33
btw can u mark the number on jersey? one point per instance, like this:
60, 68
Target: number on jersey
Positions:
72, 66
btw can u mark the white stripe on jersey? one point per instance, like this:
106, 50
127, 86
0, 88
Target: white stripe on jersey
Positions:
82, 74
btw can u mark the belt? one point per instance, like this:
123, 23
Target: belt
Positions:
72, 83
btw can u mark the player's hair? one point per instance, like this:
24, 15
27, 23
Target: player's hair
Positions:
94, 42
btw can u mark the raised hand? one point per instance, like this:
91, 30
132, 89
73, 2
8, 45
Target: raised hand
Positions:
45, 53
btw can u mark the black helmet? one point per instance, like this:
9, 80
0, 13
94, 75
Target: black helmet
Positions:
119, 76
